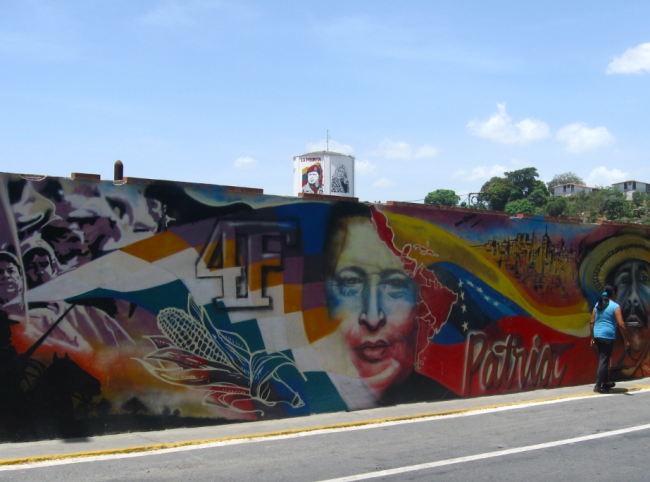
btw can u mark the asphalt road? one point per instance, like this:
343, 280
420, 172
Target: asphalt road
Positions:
348, 452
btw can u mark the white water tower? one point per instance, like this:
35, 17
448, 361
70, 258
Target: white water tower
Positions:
324, 172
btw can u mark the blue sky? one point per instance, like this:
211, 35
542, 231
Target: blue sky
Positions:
426, 95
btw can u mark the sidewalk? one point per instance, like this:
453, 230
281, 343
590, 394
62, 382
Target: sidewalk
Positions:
12, 453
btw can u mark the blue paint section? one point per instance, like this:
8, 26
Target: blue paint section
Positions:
448, 335
492, 303
322, 394
170, 295
312, 218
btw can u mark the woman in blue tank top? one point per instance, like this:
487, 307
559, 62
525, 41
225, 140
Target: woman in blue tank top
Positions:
606, 315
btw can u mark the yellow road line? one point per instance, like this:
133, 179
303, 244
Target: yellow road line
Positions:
154, 447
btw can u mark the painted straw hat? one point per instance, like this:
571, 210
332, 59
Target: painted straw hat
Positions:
627, 244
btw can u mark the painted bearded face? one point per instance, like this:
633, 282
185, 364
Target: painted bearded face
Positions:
632, 281
374, 302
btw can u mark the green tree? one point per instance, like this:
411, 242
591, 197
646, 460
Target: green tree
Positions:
556, 207
442, 197
639, 198
539, 197
520, 206
522, 182
614, 205
496, 193
564, 178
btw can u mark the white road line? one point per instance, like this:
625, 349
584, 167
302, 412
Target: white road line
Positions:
488, 455
98, 458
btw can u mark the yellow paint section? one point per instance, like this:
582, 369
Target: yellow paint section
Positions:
153, 447
317, 324
408, 230
255, 274
292, 298
230, 256
157, 247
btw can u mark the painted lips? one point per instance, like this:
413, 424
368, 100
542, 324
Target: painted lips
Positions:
373, 352
636, 319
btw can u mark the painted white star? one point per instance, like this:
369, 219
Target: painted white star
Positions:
470, 283
496, 303
464, 308
460, 283
479, 289
487, 298
462, 295
465, 326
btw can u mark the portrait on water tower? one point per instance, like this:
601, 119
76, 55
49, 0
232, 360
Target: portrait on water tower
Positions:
340, 182
312, 178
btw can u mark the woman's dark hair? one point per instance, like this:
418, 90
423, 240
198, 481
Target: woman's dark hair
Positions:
607, 293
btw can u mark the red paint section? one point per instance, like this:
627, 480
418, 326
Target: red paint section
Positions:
435, 301
513, 354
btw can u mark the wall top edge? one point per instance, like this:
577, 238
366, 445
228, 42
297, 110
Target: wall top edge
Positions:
137, 180
327, 197
502, 213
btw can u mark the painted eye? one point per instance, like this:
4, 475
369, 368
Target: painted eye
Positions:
350, 281
397, 283
396, 288
625, 280
350, 286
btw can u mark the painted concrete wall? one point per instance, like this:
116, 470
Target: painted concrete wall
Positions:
148, 305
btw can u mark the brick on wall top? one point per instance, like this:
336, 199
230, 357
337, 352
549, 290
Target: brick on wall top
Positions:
140, 180
616, 223
81, 175
446, 208
479, 211
327, 197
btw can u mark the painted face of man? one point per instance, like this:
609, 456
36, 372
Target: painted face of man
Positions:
10, 281
69, 246
632, 281
374, 300
39, 270
313, 178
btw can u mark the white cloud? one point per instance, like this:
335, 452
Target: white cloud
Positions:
383, 182
601, 176
480, 173
426, 152
500, 128
633, 61
394, 150
404, 151
579, 138
333, 147
245, 163
364, 167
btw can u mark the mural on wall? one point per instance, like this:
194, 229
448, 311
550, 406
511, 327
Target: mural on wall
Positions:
312, 176
340, 182
144, 306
